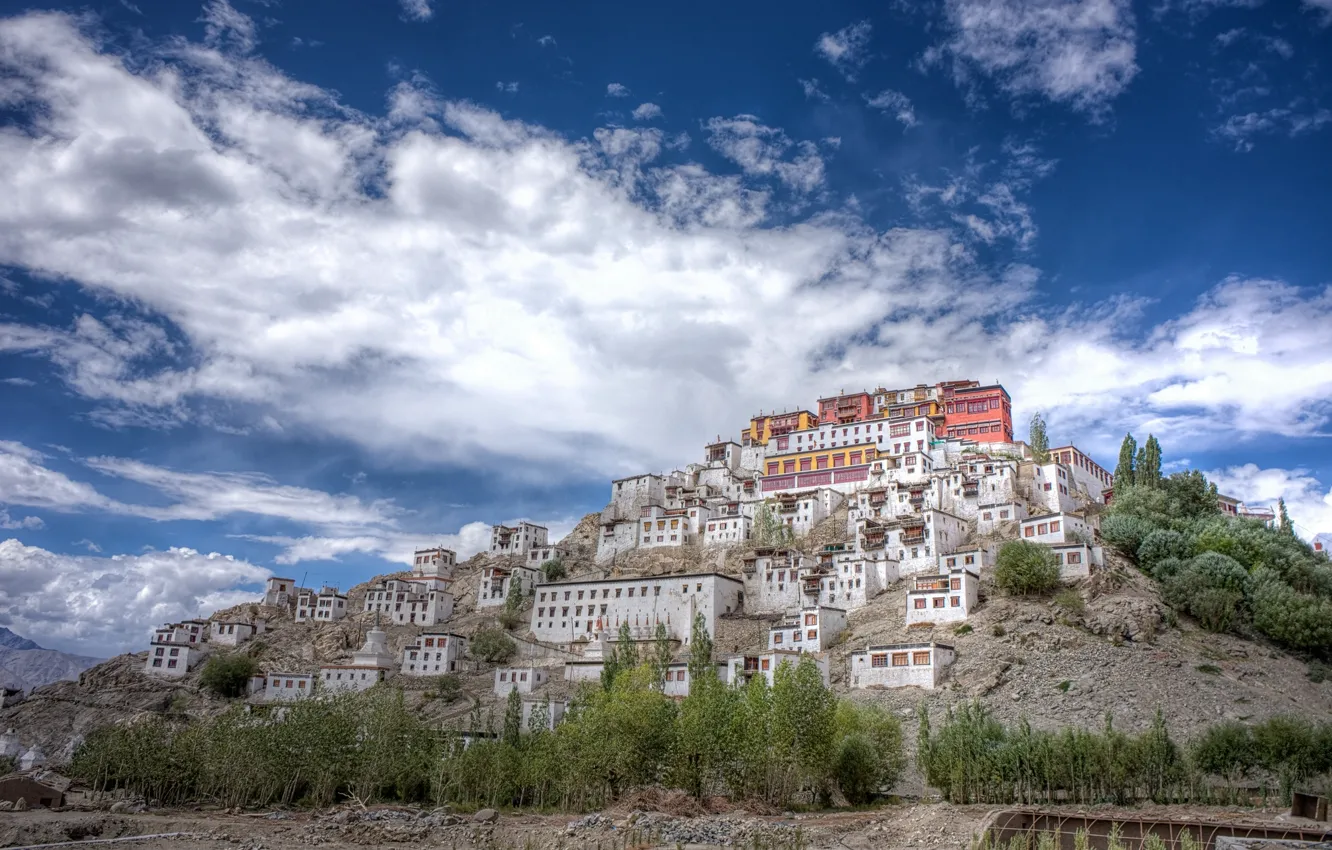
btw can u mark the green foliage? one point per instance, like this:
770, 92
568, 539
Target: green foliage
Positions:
1209, 669
661, 655
700, 648
554, 569
963, 629
1039, 439
1064, 686
858, 778
1161, 544
228, 675
1124, 469
448, 687
769, 530
856, 769
513, 718
1284, 524
1124, 531
1025, 568
511, 617
1148, 471
1210, 588
622, 656
490, 643
1069, 601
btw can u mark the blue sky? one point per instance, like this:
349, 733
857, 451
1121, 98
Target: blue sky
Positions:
299, 287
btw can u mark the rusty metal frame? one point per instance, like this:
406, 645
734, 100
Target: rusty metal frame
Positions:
1003, 825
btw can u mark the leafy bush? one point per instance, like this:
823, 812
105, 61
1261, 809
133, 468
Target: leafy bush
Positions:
228, 675
492, 644
857, 769
1025, 568
448, 687
1295, 619
554, 569
1160, 545
1125, 532
1210, 588
1069, 600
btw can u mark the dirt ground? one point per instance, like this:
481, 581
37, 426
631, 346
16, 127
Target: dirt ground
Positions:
890, 827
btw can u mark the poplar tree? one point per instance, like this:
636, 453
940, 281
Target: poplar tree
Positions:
1149, 469
1285, 527
700, 649
661, 655
513, 718
1039, 439
1124, 472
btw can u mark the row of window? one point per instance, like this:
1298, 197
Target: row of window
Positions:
1051, 527
899, 659
937, 602
605, 592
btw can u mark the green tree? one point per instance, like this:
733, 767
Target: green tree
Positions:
1023, 568
769, 530
490, 643
1148, 472
229, 675
1124, 471
869, 752
1039, 439
512, 616
661, 655
700, 648
623, 655
554, 569
1285, 526
513, 718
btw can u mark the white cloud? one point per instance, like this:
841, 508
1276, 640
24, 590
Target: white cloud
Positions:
417, 10
1323, 8
301, 267
99, 606
847, 49
1075, 52
1308, 501
224, 27
1242, 130
617, 90
760, 150
896, 103
812, 90
507, 88
28, 522
546, 41
18, 382
996, 210
646, 112
88, 544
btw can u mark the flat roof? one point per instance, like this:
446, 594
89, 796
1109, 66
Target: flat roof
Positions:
640, 579
280, 578
898, 646
961, 390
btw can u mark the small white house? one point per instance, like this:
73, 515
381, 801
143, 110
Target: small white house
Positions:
553, 712
813, 629
520, 679
517, 539
433, 653
583, 670
992, 518
369, 666
1057, 528
283, 687
493, 589
411, 602
326, 606
969, 559
901, 665
946, 598
32, 759
10, 747
727, 529
434, 563
742, 667
1077, 559
279, 591
234, 632
174, 650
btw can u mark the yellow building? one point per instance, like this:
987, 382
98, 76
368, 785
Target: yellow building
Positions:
763, 428
821, 459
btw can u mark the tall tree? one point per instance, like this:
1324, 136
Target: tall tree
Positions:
623, 655
1124, 472
1149, 470
700, 649
1286, 527
513, 718
1039, 439
661, 655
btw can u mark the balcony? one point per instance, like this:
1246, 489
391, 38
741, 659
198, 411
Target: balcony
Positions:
940, 583
909, 539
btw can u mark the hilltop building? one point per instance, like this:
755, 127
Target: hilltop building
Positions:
368, 667
326, 606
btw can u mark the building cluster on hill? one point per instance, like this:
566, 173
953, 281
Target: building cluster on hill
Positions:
930, 481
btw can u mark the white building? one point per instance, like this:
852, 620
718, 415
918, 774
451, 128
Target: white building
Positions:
801, 510
174, 649
518, 539
567, 611
914, 542
411, 602
552, 710
946, 598
279, 591
1053, 488
975, 560
32, 759
1089, 480
234, 632
493, 588
1057, 528
742, 667
812, 629
520, 679
327, 606
999, 517
283, 687
539, 556
584, 669
433, 653
10, 746
434, 563
369, 666
901, 665
664, 527
1077, 559
772, 578
727, 527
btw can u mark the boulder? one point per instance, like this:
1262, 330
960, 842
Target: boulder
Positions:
485, 816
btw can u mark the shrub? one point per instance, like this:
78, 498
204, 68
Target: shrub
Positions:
1125, 532
998, 630
964, 629
228, 675
492, 644
1070, 600
1025, 568
857, 769
1209, 669
1209, 588
1165, 568
448, 687
1284, 614
1160, 545
554, 569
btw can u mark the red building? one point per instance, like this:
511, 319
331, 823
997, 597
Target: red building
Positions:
853, 407
983, 414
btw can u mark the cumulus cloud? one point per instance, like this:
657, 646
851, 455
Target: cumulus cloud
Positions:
103, 605
417, 10
896, 103
847, 49
278, 260
1076, 52
617, 90
646, 112
760, 150
1308, 501
984, 197
31, 523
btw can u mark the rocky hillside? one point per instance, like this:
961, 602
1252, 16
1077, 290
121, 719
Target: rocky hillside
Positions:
1110, 647
24, 664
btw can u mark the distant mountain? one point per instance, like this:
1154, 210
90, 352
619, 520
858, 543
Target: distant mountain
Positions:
9, 640
24, 664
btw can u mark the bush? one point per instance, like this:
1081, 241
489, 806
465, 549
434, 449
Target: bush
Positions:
448, 687
857, 769
554, 569
1070, 600
228, 675
1126, 533
1209, 588
1165, 568
1025, 568
492, 644
1160, 545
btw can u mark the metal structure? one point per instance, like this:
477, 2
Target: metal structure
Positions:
1004, 825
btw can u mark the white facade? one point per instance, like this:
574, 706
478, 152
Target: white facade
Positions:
553, 710
740, 668
913, 542
517, 539
665, 527
727, 528
327, 606
520, 679
411, 602
1057, 528
10, 746
946, 598
1053, 488
999, 517
279, 591
585, 670
901, 665
369, 666
813, 629
434, 563
1077, 559
32, 759
175, 649
1089, 480
433, 654
567, 611
493, 589
234, 632
801, 510
539, 556
772, 578
974, 560
284, 687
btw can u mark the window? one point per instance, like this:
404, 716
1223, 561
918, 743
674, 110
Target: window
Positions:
821, 462
920, 659
937, 602
879, 659
698, 588
656, 591
1029, 531
899, 659
767, 663
777, 637
1074, 558
920, 603
1054, 526
955, 601
839, 459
